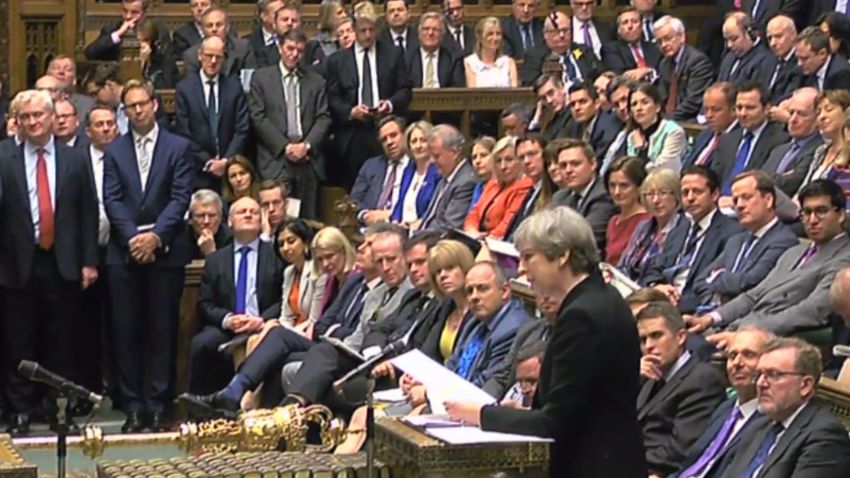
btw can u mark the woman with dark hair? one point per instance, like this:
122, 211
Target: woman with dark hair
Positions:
623, 181
158, 66
303, 286
239, 179
837, 27
659, 142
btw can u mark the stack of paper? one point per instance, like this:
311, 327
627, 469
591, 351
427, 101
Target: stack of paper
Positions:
472, 435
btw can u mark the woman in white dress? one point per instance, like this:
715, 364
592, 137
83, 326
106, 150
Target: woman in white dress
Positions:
487, 67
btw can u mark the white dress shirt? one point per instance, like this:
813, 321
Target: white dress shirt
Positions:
578, 35
373, 66
204, 83
97, 169
408, 209
30, 165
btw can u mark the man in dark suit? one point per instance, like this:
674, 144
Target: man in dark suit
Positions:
377, 189
594, 336
694, 243
748, 147
780, 73
289, 110
235, 298
264, 35
630, 53
431, 65
678, 392
649, 14
719, 105
552, 104
822, 7
789, 163
521, 31
66, 127
107, 46
48, 216
237, 53
821, 68
761, 11
213, 114
190, 33
147, 183
684, 72
577, 61
721, 438
459, 38
457, 180
64, 69
398, 30
589, 31
750, 255
799, 435
286, 19
588, 121
204, 225
355, 104
746, 52
619, 91
107, 88
585, 191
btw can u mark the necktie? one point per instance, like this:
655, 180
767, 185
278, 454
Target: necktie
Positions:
779, 65
740, 163
212, 111
588, 40
673, 93
399, 40
639, 59
763, 451
527, 41
459, 37
647, 29
569, 68
685, 257
293, 127
745, 252
716, 445
707, 153
788, 157
242, 280
470, 351
429, 72
613, 151
385, 200
144, 160
347, 318
810, 252
734, 68
366, 82
45, 207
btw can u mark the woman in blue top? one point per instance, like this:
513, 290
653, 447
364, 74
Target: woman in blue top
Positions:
420, 177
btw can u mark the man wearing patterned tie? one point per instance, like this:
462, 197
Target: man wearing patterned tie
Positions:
684, 73
630, 54
587, 30
578, 61
799, 436
48, 215
710, 454
147, 183
795, 294
377, 188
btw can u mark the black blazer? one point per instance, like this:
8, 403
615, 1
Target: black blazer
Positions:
532, 67
75, 216
673, 419
238, 56
604, 131
450, 42
837, 75
770, 8
192, 122
103, 49
335, 313
313, 59
695, 75
218, 294
223, 237
788, 79
450, 72
185, 37
558, 126
596, 207
617, 56
749, 66
512, 38
724, 157
258, 46
411, 37
587, 391
790, 180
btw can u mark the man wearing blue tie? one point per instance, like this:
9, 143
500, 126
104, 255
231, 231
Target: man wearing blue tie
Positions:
799, 436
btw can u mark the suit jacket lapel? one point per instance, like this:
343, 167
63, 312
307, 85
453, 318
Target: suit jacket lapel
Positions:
672, 384
643, 398
230, 274
61, 171
19, 163
789, 435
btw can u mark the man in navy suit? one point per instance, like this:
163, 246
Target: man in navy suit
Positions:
355, 104
431, 65
630, 53
721, 439
745, 50
264, 35
821, 68
589, 122
48, 215
750, 255
694, 243
780, 73
789, 163
221, 309
521, 31
458, 37
213, 114
618, 92
398, 30
377, 188
578, 61
147, 183
190, 33
719, 106
552, 101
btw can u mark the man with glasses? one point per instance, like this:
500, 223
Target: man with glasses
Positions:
205, 226
238, 54
795, 295
458, 37
799, 435
684, 73
578, 62
431, 65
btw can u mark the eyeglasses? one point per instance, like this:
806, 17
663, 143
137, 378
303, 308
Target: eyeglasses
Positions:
819, 212
205, 216
138, 104
773, 376
559, 31
660, 193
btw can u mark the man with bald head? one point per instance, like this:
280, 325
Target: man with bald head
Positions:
578, 61
238, 54
788, 163
780, 73
745, 50
212, 112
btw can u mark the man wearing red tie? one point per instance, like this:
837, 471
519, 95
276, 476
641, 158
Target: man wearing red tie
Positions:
49, 217
630, 55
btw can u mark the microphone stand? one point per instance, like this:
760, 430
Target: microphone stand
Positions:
370, 427
61, 433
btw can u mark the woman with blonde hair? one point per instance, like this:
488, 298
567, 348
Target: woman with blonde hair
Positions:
488, 67
448, 263
831, 158
420, 177
481, 159
333, 256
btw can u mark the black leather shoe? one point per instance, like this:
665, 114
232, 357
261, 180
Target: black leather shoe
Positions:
19, 425
133, 423
159, 422
214, 405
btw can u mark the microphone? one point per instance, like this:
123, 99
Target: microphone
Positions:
841, 351
390, 350
37, 373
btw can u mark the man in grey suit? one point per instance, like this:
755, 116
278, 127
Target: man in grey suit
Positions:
454, 191
289, 111
585, 192
788, 163
795, 295
799, 436
684, 73
238, 55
